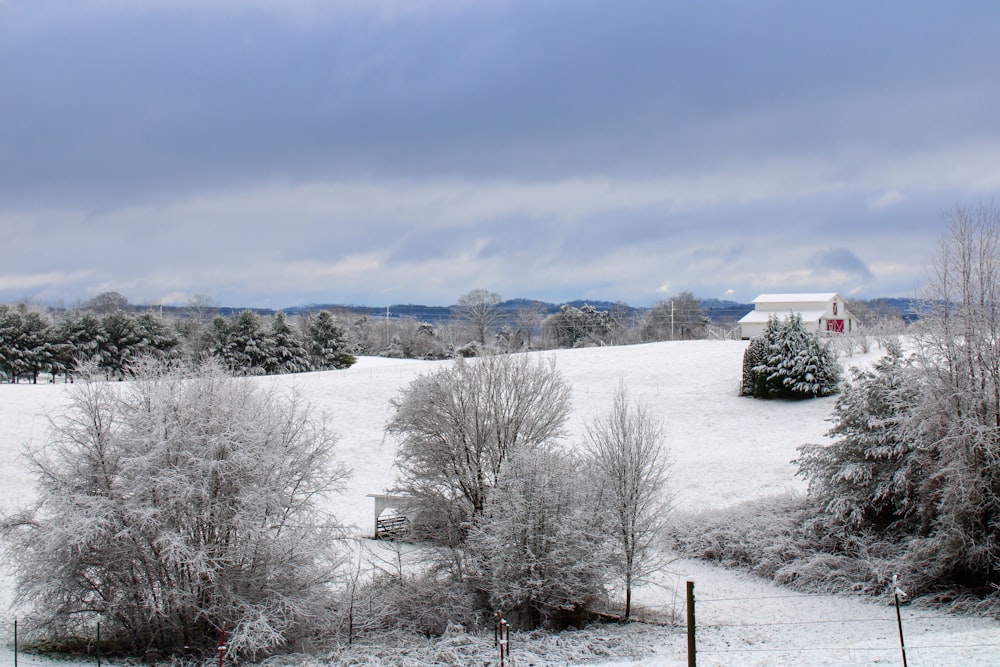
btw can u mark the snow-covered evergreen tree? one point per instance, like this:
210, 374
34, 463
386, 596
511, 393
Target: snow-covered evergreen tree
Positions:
37, 348
155, 337
872, 474
248, 347
288, 354
327, 343
78, 335
118, 342
11, 361
790, 363
578, 327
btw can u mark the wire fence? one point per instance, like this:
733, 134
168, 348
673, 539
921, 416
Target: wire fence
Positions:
808, 629
780, 629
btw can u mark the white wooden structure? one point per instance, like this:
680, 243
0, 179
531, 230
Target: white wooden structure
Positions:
824, 312
391, 518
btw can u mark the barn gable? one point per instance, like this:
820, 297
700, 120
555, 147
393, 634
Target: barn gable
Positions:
824, 312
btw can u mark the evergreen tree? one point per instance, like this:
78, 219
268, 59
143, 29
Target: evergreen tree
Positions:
35, 342
85, 336
10, 353
579, 327
248, 347
872, 474
288, 354
154, 337
117, 343
754, 383
215, 339
26, 347
327, 343
795, 364
78, 335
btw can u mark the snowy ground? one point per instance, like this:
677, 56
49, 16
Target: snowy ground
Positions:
726, 449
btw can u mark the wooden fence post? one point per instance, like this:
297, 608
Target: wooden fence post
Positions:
692, 660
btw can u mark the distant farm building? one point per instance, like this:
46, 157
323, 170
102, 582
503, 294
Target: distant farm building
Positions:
822, 313
391, 520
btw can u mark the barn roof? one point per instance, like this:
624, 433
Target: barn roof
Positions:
761, 316
796, 298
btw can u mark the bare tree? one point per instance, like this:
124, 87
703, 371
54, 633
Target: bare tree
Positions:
632, 464
479, 309
202, 308
678, 318
958, 347
459, 426
107, 302
529, 319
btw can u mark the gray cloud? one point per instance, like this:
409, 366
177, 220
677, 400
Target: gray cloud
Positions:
381, 151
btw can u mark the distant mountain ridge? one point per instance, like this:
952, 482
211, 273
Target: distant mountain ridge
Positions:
715, 309
718, 311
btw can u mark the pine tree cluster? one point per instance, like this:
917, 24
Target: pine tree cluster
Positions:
33, 343
788, 362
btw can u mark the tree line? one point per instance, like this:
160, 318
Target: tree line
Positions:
34, 342
110, 333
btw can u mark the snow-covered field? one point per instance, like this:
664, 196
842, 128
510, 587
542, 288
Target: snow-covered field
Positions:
725, 448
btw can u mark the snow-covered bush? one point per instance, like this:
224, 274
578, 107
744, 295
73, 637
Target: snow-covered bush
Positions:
793, 363
175, 505
785, 539
538, 552
427, 604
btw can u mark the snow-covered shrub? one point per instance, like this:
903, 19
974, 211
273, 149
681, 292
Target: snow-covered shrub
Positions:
787, 539
795, 363
426, 604
538, 551
175, 505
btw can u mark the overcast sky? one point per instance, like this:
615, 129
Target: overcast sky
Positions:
274, 153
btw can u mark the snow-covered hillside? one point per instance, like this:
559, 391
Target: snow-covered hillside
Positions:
726, 449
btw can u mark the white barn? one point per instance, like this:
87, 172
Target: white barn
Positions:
822, 313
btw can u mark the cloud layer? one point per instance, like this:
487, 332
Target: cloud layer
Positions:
274, 154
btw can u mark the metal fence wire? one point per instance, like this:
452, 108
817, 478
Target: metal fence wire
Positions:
891, 634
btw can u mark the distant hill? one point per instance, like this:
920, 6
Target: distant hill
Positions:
715, 310
718, 311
